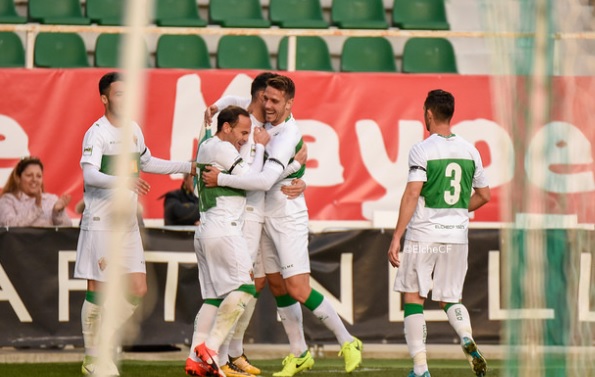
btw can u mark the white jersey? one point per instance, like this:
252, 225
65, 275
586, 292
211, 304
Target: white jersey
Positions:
286, 141
221, 208
449, 167
254, 198
100, 148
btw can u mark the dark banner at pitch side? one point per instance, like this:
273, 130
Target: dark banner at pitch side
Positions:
40, 301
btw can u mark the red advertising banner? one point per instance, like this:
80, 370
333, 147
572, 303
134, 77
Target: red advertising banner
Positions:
358, 127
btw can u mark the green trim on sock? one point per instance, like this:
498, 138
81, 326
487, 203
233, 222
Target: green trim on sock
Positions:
314, 300
257, 294
284, 301
134, 300
248, 288
213, 301
411, 309
448, 306
304, 353
92, 297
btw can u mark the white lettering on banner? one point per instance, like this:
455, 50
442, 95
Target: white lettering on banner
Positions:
561, 145
390, 175
495, 312
325, 151
173, 260
14, 144
8, 293
501, 168
344, 304
584, 290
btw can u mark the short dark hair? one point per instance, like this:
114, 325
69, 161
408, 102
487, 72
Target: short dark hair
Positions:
231, 115
283, 84
441, 103
260, 82
107, 80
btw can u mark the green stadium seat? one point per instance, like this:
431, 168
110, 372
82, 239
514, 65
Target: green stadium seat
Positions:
106, 12
429, 55
12, 52
358, 14
8, 13
237, 13
312, 54
297, 14
57, 12
367, 54
182, 51
59, 50
178, 13
108, 48
243, 51
420, 15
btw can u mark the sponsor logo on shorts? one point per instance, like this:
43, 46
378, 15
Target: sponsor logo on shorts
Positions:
427, 249
286, 267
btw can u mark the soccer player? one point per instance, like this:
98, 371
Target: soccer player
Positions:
225, 267
101, 144
443, 170
285, 240
291, 315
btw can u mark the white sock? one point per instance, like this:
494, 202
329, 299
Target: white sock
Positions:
236, 345
459, 319
228, 314
415, 336
329, 317
292, 320
202, 325
223, 351
124, 309
90, 321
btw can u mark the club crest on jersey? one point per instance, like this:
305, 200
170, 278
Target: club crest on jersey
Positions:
87, 151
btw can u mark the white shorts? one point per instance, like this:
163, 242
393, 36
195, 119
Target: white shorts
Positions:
223, 265
92, 254
285, 245
252, 233
448, 262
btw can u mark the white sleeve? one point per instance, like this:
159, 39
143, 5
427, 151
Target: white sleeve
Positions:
479, 177
418, 164
226, 101
291, 168
160, 166
263, 180
93, 177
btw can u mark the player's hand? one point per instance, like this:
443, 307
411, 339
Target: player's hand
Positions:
302, 155
194, 169
209, 176
209, 113
261, 136
140, 186
393, 252
62, 202
294, 190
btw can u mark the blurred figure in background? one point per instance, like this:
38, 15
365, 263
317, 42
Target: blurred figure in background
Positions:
23, 201
180, 206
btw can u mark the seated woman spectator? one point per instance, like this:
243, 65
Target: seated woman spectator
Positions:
181, 206
23, 201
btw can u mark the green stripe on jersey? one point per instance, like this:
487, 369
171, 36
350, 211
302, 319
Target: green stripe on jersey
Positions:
108, 164
207, 197
449, 183
300, 173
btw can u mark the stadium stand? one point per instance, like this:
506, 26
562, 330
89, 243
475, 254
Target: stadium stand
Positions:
312, 54
8, 13
12, 52
182, 51
237, 13
297, 14
60, 50
358, 14
429, 55
178, 13
243, 51
420, 15
367, 54
106, 12
57, 12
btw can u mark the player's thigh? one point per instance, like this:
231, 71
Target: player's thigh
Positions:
415, 272
449, 272
229, 264
290, 237
252, 231
207, 289
267, 261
